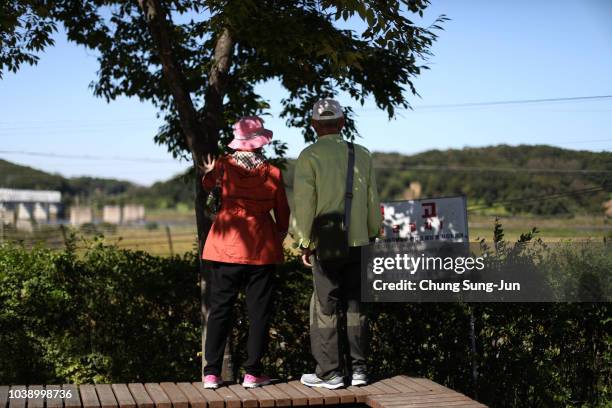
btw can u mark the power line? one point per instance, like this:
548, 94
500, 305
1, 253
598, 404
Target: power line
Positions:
418, 167
82, 121
585, 141
513, 102
88, 157
518, 101
98, 122
494, 169
546, 197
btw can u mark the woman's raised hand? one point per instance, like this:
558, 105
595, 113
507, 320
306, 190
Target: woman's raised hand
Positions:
208, 164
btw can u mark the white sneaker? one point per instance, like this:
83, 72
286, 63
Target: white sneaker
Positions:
359, 377
312, 380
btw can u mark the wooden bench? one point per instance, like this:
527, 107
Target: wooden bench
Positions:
395, 392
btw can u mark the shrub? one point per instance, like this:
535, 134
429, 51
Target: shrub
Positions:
111, 315
106, 315
151, 226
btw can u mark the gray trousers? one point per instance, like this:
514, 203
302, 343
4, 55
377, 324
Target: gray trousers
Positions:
338, 326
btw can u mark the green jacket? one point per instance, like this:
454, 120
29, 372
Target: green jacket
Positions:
319, 187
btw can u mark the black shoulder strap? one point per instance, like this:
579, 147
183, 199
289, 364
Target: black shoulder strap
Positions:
348, 196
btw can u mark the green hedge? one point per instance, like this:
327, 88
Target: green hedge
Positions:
104, 315
110, 315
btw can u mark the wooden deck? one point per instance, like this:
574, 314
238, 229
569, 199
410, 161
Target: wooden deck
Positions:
396, 392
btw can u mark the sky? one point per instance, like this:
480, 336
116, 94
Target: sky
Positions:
488, 51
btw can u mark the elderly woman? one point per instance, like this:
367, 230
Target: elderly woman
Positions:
243, 246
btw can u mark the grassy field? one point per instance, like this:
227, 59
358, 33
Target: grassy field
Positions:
173, 232
157, 241
551, 229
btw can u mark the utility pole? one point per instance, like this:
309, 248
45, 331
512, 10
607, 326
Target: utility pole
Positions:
169, 236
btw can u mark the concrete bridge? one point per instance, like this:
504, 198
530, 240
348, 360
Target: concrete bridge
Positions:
23, 207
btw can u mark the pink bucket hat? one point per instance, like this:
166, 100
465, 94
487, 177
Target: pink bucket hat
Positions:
249, 133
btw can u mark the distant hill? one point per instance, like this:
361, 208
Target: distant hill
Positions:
165, 194
97, 191
87, 189
17, 176
541, 180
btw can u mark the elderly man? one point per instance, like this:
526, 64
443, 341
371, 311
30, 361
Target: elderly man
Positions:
335, 184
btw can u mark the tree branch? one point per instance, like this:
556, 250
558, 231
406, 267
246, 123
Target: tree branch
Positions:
156, 18
213, 110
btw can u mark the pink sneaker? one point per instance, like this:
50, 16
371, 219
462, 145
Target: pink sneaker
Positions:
251, 381
212, 381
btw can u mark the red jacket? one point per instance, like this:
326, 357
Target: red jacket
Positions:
244, 231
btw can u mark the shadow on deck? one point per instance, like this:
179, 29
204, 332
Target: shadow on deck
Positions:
396, 392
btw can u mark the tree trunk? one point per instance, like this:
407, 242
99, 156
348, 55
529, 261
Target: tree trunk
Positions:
201, 137
213, 121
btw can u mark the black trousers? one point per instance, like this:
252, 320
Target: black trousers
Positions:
338, 326
225, 282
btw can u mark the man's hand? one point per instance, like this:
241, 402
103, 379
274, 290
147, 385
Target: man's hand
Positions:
306, 252
208, 164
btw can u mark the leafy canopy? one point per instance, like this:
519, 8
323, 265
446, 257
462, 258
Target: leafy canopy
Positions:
304, 44
25, 28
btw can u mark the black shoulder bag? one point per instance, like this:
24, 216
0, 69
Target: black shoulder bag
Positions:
331, 231
213, 201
